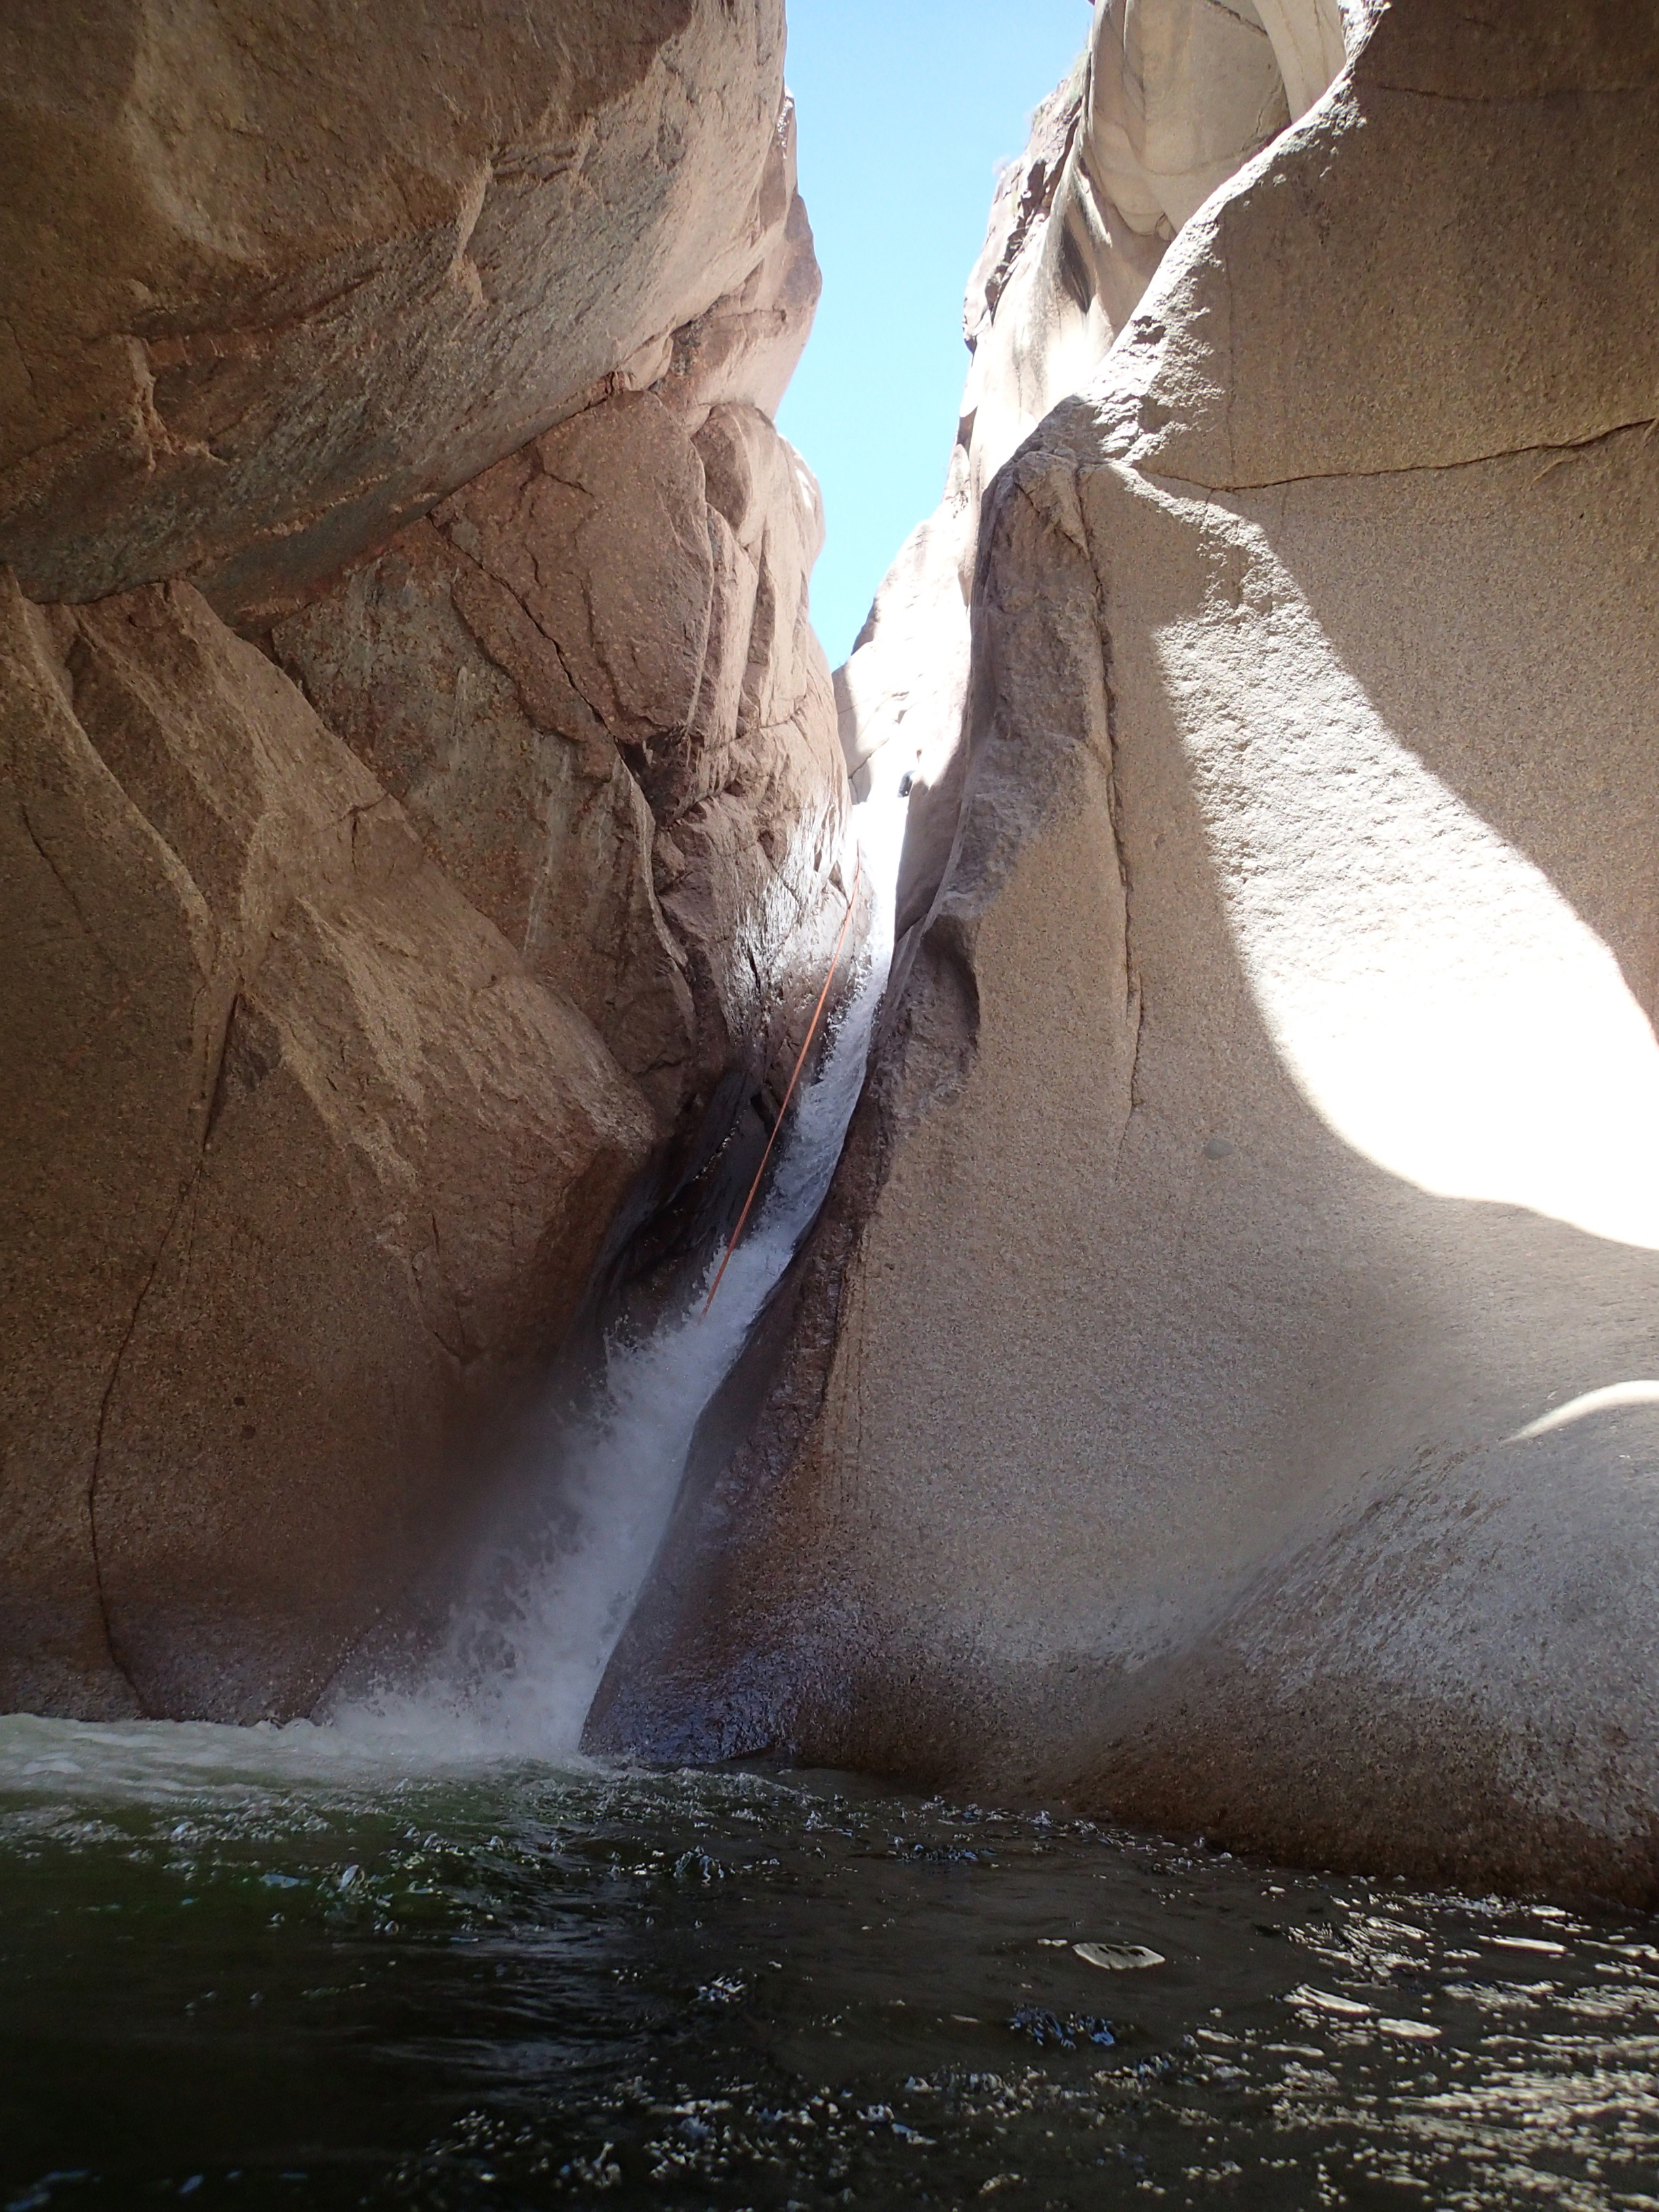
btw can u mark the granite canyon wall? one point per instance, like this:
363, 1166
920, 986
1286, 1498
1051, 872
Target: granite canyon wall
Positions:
421, 805
1220, 1390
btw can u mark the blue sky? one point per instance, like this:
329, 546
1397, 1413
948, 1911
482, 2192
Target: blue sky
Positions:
905, 108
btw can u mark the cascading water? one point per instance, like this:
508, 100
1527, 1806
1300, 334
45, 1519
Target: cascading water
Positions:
425, 1958
525, 1652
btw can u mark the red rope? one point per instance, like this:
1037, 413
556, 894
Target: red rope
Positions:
812, 1031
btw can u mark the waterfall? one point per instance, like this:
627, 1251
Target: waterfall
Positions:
525, 1652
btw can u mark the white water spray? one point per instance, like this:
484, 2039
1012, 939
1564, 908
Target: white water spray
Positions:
521, 1670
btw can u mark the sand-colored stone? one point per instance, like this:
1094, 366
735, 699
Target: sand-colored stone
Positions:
304, 1173
443, 341
1515, 335
1224, 1390
273, 278
591, 676
1169, 98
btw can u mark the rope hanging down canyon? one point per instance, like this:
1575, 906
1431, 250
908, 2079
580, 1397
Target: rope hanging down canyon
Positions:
800, 1062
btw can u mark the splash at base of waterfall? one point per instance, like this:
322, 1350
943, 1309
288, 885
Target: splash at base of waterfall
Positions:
525, 1652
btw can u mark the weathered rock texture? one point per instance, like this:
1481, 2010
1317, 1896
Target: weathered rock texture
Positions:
343, 1028
591, 676
1221, 1390
273, 278
301, 1160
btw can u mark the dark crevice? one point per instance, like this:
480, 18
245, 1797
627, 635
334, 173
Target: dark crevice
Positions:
128, 1334
67, 889
1516, 99
1134, 997
1566, 449
216, 1091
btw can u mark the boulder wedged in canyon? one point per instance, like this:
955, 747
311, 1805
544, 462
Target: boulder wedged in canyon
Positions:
356, 1037
591, 676
272, 280
1223, 1390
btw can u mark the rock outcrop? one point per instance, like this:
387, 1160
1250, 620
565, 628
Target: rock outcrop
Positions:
1221, 1389
276, 1071
366, 972
271, 280
1169, 100
591, 676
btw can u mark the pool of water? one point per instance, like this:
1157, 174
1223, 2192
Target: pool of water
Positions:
275, 1968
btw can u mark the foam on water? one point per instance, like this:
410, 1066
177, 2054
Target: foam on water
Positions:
525, 1652
266, 1969
426, 1956
193, 1761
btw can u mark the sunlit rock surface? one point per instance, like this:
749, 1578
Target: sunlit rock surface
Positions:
1170, 98
1221, 1386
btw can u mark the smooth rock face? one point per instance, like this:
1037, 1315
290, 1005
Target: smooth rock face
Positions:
304, 1168
1223, 1389
1170, 98
272, 279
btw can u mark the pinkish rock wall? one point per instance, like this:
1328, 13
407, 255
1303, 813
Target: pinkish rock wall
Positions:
353, 976
1221, 1391
591, 676
272, 279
